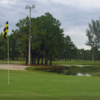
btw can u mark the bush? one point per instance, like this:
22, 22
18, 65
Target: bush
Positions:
56, 69
72, 70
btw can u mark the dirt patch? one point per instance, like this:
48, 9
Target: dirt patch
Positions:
13, 66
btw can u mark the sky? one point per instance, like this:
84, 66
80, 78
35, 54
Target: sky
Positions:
74, 15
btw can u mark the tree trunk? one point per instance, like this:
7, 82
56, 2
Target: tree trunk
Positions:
50, 59
17, 58
54, 59
27, 53
38, 60
34, 61
46, 57
12, 57
93, 58
42, 61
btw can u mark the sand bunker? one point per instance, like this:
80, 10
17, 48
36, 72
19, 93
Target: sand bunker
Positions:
13, 66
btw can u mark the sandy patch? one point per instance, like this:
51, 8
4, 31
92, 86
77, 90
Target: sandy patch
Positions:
13, 66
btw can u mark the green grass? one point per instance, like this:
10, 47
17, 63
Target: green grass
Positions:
76, 62
62, 63
5, 61
26, 85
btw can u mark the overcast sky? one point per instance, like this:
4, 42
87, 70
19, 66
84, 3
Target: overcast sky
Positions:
74, 15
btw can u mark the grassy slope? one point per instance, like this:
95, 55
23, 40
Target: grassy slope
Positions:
25, 85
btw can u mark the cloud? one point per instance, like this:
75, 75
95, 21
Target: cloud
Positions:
85, 47
80, 3
74, 15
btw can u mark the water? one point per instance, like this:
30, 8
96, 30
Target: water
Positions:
81, 74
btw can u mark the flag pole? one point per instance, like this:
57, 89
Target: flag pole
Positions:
7, 37
8, 58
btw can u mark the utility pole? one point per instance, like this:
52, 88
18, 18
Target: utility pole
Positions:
29, 51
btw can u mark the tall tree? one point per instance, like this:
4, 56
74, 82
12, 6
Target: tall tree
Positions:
22, 35
14, 45
93, 34
70, 49
47, 33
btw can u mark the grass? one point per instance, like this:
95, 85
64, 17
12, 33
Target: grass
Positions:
77, 62
11, 62
61, 63
36, 85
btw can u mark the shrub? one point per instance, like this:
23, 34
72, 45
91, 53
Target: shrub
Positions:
56, 69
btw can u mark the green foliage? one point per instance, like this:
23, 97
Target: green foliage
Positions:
93, 34
47, 36
70, 50
73, 70
68, 70
56, 69
3, 47
48, 42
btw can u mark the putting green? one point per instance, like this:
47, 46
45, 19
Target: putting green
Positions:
25, 85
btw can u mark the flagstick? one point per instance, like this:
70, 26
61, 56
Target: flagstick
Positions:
8, 59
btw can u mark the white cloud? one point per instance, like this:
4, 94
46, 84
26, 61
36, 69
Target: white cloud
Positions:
74, 15
84, 47
78, 36
81, 3
4, 1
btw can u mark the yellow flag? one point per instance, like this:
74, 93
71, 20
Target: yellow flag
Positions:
5, 30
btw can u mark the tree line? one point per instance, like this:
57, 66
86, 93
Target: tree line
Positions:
47, 42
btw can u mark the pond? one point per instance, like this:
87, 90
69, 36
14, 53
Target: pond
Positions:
73, 65
81, 74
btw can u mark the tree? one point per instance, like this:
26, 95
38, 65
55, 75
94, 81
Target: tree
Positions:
3, 47
70, 49
14, 45
47, 36
22, 36
93, 34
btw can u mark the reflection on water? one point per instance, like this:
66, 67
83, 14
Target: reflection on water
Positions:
81, 74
